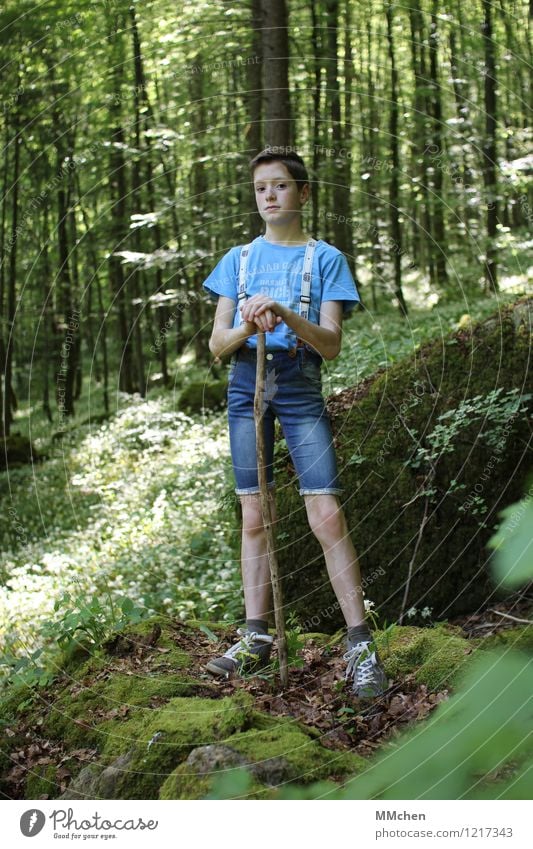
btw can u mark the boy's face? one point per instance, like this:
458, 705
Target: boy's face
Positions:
278, 198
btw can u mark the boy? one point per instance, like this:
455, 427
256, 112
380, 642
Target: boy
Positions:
295, 290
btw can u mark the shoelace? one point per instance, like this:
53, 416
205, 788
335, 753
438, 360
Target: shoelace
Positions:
364, 669
245, 644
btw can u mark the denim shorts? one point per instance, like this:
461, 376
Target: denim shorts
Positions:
293, 395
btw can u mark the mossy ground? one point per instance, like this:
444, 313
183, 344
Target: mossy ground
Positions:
123, 723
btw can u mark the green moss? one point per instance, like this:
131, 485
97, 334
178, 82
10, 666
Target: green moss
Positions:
277, 751
161, 741
306, 759
435, 656
515, 638
184, 784
41, 781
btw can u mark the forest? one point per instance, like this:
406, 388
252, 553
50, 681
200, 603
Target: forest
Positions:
127, 130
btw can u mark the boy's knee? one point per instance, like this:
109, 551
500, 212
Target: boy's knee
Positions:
252, 514
326, 519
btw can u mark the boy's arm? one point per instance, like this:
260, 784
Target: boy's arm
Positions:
325, 337
225, 339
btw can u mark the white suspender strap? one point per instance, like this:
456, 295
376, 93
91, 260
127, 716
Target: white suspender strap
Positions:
307, 275
241, 292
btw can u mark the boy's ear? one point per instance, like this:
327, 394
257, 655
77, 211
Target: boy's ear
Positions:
305, 191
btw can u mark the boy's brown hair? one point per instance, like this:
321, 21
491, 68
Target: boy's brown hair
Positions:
288, 157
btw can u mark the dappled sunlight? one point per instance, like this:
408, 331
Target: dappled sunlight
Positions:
157, 531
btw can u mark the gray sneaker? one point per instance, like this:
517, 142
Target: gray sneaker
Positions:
364, 668
249, 654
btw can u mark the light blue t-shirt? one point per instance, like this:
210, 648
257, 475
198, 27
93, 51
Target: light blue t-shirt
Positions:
276, 271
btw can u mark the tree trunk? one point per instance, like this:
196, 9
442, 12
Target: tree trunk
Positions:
316, 41
278, 130
199, 186
439, 241
394, 190
102, 317
422, 146
254, 133
47, 313
119, 226
3, 220
339, 163
9, 396
490, 152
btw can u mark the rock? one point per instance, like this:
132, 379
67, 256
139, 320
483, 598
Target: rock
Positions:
379, 428
207, 759
85, 785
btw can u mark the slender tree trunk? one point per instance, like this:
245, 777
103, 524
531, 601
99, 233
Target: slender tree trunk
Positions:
490, 151
47, 313
3, 220
371, 156
102, 317
394, 191
254, 135
77, 365
316, 42
275, 73
9, 395
439, 243
423, 148
339, 163
119, 227
199, 187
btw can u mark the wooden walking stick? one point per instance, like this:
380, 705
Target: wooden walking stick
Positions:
266, 511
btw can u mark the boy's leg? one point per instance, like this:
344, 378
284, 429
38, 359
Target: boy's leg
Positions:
254, 647
254, 558
328, 523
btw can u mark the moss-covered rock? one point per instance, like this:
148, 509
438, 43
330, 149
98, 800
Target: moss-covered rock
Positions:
140, 753
434, 656
519, 638
201, 395
390, 492
274, 751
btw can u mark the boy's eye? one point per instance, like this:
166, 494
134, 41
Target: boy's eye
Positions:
281, 185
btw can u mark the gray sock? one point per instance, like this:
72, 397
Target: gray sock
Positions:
359, 634
260, 626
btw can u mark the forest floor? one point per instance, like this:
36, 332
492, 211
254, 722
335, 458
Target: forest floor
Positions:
317, 699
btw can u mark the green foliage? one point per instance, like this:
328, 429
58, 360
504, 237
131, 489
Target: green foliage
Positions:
513, 542
494, 411
139, 509
83, 625
90, 622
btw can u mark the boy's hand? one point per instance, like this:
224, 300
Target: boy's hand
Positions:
263, 311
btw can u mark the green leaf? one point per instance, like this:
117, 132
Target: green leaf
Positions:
513, 541
126, 605
209, 634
